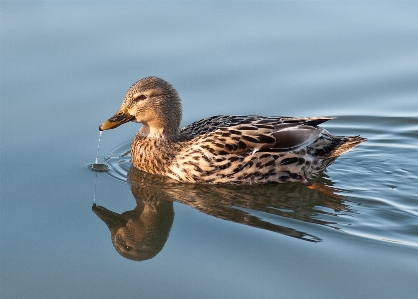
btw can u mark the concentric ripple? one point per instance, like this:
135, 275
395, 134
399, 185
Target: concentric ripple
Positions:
118, 158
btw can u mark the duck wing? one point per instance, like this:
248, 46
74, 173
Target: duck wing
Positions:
213, 123
246, 134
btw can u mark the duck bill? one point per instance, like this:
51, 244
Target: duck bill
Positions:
118, 119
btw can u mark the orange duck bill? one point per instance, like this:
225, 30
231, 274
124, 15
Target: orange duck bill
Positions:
118, 119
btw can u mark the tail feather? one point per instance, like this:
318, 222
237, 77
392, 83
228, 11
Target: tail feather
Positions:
343, 145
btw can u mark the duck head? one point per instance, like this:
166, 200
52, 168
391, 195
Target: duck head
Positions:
152, 102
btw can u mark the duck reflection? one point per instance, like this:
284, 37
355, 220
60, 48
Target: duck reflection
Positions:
141, 233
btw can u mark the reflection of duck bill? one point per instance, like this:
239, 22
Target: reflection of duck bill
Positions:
112, 219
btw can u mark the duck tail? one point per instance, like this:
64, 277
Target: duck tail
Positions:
344, 144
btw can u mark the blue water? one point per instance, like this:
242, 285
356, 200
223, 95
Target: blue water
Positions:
65, 67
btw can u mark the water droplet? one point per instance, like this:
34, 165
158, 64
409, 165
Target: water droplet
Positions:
98, 146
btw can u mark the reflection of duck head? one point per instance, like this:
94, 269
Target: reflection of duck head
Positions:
139, 234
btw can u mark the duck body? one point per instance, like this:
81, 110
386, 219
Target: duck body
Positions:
224, 149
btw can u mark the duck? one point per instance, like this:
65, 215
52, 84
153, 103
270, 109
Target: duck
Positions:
223, 149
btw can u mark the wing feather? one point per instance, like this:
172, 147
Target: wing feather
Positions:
213, 123
245, 134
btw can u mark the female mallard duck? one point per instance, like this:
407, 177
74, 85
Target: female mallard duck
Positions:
223, 149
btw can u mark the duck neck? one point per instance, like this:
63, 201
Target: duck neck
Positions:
162, 133
152, 151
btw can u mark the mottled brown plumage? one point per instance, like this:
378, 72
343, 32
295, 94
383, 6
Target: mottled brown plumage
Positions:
223, 149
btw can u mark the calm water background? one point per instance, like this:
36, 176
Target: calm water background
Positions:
65, 67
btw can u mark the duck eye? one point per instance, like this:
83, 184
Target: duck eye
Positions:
140, 97
128, 248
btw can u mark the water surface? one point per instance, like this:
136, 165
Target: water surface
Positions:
66, 67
